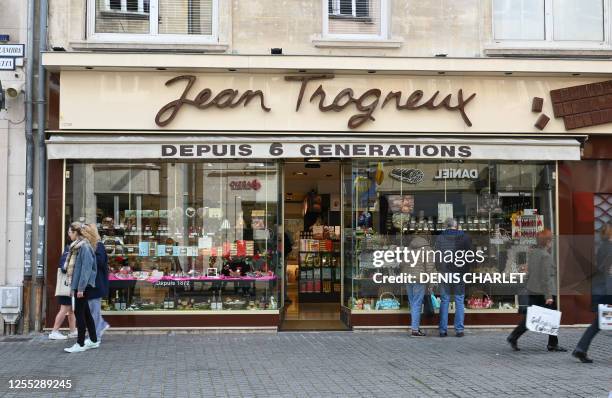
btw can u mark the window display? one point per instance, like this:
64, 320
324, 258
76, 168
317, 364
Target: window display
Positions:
500, 206
182, 236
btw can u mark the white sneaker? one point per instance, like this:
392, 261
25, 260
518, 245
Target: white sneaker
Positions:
74, 334
76, 348
55, 335
90, 344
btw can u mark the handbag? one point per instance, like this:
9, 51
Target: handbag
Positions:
543, 320
605, 316
434, 301
428, 306
62, 287
387, 303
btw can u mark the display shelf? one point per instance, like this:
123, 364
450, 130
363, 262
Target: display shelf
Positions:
190, 312
407, 311
268, 278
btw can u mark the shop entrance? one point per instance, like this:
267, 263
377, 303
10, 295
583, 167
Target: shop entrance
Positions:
312, 220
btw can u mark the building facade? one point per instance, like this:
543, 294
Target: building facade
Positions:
12, 155
202, 137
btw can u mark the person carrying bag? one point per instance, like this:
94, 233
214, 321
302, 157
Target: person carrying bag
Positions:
601, 288
81, 270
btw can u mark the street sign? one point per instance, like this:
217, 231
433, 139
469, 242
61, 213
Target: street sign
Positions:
12, 50
7, 63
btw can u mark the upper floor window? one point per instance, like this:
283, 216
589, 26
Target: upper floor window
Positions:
167, 21
556, 23
355, 19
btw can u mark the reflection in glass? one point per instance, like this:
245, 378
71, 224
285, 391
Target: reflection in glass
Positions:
182, 236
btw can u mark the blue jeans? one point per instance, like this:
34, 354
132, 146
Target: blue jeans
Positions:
458, 289
416, 292
95, 309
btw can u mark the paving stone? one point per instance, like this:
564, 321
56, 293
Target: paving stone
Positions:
320, 364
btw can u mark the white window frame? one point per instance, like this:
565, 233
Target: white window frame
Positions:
549, 42
153, 36
384, 23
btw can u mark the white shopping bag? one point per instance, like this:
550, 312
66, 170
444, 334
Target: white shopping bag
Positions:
605, 316
543, 320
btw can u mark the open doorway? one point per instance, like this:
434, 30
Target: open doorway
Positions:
312, 220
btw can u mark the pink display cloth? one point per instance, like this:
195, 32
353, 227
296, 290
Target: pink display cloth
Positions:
112, 277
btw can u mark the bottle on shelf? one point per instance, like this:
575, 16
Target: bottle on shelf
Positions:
117, 302
123, 303
213, 303
220, 302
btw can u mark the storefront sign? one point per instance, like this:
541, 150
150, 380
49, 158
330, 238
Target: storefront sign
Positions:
456, 174
254, 185
204, 99
7, 63
218, 147
12, 50
365, 103
295, 150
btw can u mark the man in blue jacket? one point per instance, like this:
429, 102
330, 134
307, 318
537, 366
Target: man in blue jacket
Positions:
452, 240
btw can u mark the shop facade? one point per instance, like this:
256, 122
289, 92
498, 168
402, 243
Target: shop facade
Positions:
193, 218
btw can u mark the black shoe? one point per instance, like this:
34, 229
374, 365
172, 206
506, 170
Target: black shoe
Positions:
443, 334
582, 356
459, 334
513, 343
418, 333
555, 348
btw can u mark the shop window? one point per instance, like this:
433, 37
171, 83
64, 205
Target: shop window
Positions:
388, 205
552, 23
355, 19
153, 20
182, 236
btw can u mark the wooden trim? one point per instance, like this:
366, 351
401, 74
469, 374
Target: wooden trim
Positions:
221, 320
55, 231
398, 319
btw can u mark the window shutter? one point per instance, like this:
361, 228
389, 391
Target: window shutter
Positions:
346, 7
330, 7
363, 8
185, 17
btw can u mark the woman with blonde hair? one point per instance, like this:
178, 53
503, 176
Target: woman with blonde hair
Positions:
81, 273
94, 299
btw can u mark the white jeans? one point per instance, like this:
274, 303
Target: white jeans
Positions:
95, 307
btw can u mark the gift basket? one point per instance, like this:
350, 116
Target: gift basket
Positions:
479, 301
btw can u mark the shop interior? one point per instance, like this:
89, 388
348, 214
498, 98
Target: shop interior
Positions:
312, 242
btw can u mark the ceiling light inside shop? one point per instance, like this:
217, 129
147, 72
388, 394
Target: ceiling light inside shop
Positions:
313, 160
300, 173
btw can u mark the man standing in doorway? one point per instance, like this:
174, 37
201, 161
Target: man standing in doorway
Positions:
451, 239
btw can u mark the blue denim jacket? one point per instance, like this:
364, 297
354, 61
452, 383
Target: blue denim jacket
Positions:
85, 269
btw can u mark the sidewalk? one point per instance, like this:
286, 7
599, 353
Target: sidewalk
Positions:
325, 364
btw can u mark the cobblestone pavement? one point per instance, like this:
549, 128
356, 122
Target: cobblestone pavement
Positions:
323, 364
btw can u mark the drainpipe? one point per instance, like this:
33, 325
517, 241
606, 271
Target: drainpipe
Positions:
42, 168
29, 188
